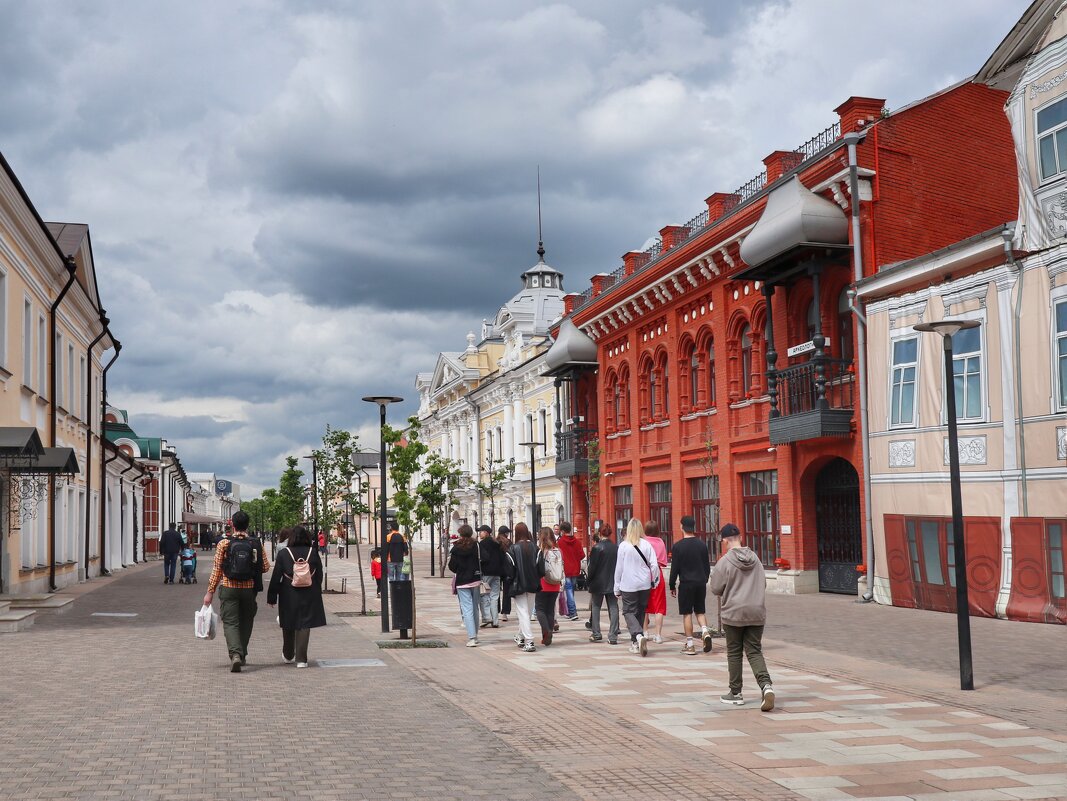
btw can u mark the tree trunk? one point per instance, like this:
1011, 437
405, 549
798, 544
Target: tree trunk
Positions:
362, 583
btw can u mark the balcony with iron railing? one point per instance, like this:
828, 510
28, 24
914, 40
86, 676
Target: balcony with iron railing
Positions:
737, 200
811, 400
573, 451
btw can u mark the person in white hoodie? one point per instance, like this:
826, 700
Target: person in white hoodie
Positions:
636, 573
738, 577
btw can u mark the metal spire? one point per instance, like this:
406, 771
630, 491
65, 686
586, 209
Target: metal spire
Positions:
540, 242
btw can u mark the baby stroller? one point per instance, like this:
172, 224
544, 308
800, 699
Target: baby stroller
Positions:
188, 557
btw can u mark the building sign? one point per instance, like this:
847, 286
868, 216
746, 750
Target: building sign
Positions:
803, 347
223, 487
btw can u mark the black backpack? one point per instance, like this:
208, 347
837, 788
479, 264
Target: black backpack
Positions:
242, 561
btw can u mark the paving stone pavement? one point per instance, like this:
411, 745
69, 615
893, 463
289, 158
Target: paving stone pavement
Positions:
903, 730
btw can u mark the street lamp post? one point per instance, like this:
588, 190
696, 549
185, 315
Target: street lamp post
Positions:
533, 446
947, 329
315, 508
383, 401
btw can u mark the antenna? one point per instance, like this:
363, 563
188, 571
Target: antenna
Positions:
540, 241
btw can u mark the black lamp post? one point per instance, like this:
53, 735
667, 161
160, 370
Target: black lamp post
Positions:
533, 446
383, 401
947, 329
315, 507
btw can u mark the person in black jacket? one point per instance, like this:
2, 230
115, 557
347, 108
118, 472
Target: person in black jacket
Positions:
492, 569
691, 563
299, 608
463, 561
600, 578
524, 585
170, 545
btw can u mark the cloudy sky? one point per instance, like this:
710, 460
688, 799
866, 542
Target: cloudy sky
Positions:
294, 204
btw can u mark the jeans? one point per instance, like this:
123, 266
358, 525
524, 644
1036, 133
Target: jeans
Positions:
189, 572
490, 599
545, 604
295, 644
524, 603
170, 561
469, 607
596, 600
750, 640
568, 587
633, 609
237, 608
394, 573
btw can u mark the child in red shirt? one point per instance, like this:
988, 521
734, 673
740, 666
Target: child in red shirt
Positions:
376, 569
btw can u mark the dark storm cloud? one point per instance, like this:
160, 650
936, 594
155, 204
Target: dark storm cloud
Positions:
295, 203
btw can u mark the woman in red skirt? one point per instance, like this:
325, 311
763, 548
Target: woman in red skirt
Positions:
657, 599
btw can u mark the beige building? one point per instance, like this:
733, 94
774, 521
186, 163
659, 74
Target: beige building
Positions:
1009, 374
54, 338
480, 404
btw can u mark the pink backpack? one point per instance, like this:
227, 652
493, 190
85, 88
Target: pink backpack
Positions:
301, 571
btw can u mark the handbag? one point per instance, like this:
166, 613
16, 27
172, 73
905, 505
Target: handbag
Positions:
484, 587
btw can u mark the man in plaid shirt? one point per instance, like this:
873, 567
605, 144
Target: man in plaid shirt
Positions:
237, 598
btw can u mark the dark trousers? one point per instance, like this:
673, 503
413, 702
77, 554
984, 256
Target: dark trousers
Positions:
295, 643
633, 610
237, 608
747, 639
170, 561
596, 601
545, 608
505, 596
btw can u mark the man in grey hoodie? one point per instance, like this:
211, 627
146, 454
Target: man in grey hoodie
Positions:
738, 577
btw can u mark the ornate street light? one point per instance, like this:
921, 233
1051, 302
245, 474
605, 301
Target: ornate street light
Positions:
533, 446
947, 329
383, 401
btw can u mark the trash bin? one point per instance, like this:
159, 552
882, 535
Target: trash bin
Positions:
400, 604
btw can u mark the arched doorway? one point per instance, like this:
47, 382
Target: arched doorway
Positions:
839, 532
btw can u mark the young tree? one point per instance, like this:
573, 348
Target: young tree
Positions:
290, 504
497, 471
437, 494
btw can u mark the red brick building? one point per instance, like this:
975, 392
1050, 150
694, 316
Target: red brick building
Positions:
725, 381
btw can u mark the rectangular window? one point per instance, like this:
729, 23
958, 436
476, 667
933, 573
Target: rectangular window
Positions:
82, 394
1052, 139
760, 497
71, 388
705, 492
659, 509
59, 372
1054, 530
42, 358
902, 382
27, 344
931, 546
3, 319
1060, 351
711, 375
623, 500
967, 373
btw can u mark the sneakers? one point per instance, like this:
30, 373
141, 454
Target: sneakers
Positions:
706, 637
529, 648
235, 664
613, 642
733, 699
288, 659
642, 644
572, 617
472, 643
689, 649
768, 699
634, 649
555, 627
486, 624
589, 624
518, 640
657, 639
301, 664
503, 618
596, 637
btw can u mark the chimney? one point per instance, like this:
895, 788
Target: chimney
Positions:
633, 261
720, 204
857, 112
600, 282
673, 235
780, 162
570, 300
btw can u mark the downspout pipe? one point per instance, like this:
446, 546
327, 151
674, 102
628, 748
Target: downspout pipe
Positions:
89, 433
1009, 255
103, 464
852, 139
72, 274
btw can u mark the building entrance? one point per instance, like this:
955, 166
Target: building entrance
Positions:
839, 531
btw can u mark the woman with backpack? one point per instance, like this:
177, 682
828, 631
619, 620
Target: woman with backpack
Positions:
296, 587
464, 562
524, 585
550, 569
636, 573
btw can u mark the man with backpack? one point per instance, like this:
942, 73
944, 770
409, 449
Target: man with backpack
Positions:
240, 562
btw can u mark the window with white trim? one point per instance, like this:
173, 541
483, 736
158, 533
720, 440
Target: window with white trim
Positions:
967, 373
81, 395
1052, 139
59, 371
27, 343
1060, 350
42, 358
904, 371
3, 318
71, 386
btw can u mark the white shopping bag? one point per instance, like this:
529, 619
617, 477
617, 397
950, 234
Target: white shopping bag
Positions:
205, 623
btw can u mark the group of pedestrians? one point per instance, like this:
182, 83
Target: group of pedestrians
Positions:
536, 577
295, 587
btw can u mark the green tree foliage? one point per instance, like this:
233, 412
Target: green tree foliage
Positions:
335, 474
437, 494
290, 498
496, 472
405, 454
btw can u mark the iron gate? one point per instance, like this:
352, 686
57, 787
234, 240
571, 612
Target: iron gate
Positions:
839, 532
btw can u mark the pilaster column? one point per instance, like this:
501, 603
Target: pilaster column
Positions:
508, 431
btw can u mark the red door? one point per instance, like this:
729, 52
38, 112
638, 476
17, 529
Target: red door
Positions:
1030, 597
982, 538
898, 562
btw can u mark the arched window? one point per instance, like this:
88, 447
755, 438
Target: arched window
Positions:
663, 414
616, 407
746, 359
711, 373
844, 327
694, 379
623, 419
653, 392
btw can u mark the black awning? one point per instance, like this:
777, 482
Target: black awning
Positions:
791, 264
20, 442
54, 461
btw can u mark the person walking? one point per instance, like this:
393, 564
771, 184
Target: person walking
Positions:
240, 562
524, 585
691, 565
490, 557
600, 579
170, 545
657, 598
573, 553
738, 577
508, 572
636, 573
550, 569
299, 604
396, 548
464, 563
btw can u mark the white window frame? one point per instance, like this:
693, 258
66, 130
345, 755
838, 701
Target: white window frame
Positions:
71, 379
1051, 132
83, 377
27, 342
895, 336
3, 319
1058, 297
42, 356
58, 367
983, 372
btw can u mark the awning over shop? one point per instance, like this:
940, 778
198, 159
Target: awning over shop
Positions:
18, 443
192, 517
54, 461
